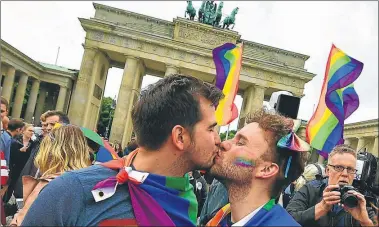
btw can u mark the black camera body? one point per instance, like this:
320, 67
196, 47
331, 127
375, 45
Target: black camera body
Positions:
347, 199
367, 177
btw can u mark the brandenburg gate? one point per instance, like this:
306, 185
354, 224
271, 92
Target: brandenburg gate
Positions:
145, 45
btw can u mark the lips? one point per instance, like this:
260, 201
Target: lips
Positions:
343, 182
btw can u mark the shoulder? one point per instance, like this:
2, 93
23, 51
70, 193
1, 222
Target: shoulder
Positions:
90, 175
85, 178
283, 218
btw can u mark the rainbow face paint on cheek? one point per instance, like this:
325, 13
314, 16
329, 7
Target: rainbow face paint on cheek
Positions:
244, 162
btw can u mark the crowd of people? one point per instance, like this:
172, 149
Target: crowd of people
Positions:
176, 171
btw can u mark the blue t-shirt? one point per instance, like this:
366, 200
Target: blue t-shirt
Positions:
5, 145
68, 201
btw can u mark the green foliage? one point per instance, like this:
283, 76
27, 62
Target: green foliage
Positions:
231, 135
106, 115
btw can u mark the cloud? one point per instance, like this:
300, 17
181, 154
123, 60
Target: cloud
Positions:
39, 28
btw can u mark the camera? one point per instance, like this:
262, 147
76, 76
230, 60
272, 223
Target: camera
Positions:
367, 177
347, 199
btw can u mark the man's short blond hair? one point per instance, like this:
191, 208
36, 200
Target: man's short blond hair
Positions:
43, 116
342, 149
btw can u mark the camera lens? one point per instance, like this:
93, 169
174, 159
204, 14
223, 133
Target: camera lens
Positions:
349, 200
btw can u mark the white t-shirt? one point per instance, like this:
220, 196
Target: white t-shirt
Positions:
244, 220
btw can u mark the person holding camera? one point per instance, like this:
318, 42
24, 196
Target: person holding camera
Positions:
333, 201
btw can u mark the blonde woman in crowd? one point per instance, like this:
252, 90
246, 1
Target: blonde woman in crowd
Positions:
63, 149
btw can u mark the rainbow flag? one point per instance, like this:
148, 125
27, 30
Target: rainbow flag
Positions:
228, 61
106, 153
338, 100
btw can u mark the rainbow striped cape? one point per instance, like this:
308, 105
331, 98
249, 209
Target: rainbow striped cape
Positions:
156, 200
228, 61
338, 100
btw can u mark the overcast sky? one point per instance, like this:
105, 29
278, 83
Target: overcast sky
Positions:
38, 28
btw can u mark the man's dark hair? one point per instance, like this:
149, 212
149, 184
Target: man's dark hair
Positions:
276, 127
132, 145
63, 118
5, 102
173, 100
15, 124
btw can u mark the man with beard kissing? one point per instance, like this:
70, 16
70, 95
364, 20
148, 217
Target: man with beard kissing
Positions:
255, 166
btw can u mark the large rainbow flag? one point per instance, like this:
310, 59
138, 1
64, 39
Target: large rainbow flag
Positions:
338, 100
228, 61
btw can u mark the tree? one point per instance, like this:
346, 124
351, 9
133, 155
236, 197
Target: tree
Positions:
106, 115
231, 135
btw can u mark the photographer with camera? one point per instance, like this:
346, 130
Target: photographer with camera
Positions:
333, 201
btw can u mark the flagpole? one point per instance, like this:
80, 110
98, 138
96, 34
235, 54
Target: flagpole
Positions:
227, 132
56, 60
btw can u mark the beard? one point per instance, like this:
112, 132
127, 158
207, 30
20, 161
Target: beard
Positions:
196, 159
229, 173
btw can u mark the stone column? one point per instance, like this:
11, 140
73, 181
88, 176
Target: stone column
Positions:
348, 141
80, 94
248, 97
375, 148
259, 95
171, 69
124, 99
61, 98
128, 129
321, 159
361, 144
32, 101
19, 98
40, 105
67, 102
8, 84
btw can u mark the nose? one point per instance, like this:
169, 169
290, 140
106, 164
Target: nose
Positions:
225, 145
217, 138
345, 173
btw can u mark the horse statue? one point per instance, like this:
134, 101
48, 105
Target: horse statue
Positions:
218, 14
201, 12
190, 11
209, 13
230, 19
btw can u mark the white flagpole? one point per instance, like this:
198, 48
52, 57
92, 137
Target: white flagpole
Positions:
56, 60
227, 133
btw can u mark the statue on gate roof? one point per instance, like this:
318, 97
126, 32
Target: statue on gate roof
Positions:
210, 13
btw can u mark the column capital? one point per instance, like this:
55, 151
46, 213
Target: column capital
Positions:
259, 86
299, 95
172, 66
24, 74
36, 80
63, 86
11, 69
88, 47
131, 57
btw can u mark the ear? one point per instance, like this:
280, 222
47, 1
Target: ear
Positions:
327, 171
267, 170
180, 137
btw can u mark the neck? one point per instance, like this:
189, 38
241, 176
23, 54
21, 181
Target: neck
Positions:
244, 199
25, 138
165, 162
13, 134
